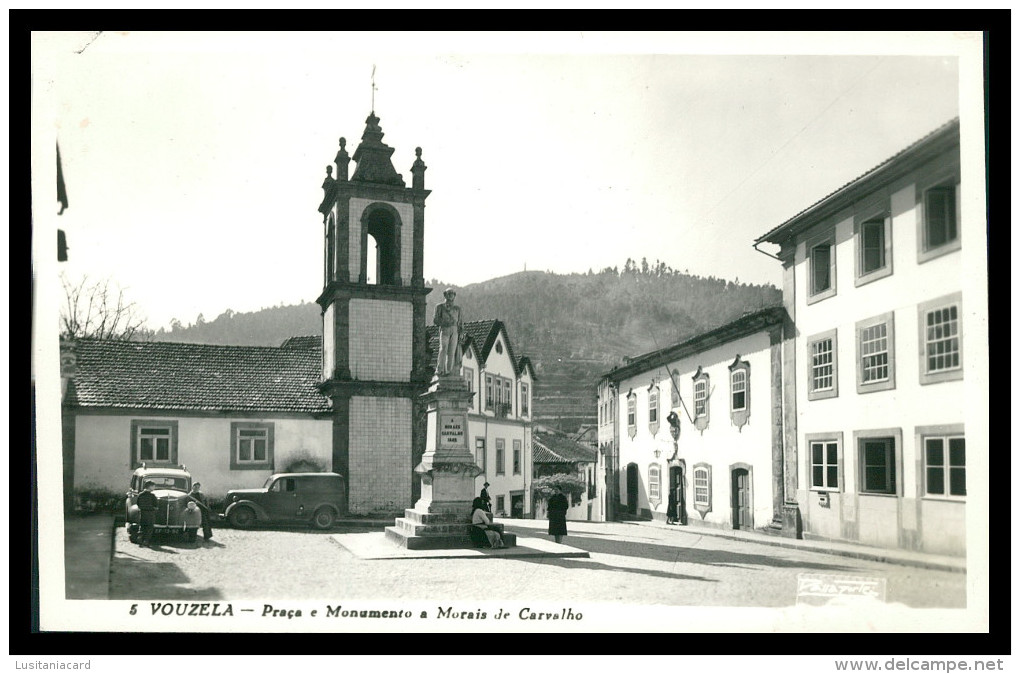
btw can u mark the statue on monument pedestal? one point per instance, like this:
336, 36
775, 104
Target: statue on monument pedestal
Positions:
448, 319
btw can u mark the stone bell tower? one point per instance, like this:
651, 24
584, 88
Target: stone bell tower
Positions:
374, 365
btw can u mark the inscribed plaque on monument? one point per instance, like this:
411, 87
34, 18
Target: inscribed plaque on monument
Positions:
451, 430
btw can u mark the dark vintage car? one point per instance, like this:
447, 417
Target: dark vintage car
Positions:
307, 498
172, 513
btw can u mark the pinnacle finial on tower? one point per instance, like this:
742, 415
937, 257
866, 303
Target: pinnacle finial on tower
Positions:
373, 88
418, 171
342, 160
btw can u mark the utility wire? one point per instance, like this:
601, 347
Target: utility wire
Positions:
795, 136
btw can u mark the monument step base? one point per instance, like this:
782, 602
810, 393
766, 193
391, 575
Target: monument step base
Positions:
438, 541
455, 516
410, 527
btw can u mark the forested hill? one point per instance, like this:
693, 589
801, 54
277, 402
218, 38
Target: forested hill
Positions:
574, 327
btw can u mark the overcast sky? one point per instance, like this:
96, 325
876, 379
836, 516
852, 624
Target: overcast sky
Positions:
194, 162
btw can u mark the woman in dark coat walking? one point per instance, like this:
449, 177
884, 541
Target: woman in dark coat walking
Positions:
558, 516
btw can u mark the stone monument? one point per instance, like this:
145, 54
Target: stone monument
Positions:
441, 518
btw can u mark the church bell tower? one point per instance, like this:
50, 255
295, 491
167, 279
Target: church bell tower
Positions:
374, 363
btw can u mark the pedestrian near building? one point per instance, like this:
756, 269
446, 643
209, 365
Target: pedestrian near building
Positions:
558, 515
671, 513
486, 498
199, 498
147, 504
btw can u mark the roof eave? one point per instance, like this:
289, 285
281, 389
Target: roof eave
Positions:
742, 327
890, 170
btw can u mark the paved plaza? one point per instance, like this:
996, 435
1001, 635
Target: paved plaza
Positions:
631, 563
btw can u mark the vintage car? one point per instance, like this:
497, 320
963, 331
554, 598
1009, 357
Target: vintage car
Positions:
172, 513
285, 498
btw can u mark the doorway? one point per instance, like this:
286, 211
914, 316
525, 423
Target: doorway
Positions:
632, 489
517, 505
741, 495
678, 494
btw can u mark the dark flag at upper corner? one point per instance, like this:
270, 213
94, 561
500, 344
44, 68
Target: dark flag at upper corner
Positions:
61, 189
62, 198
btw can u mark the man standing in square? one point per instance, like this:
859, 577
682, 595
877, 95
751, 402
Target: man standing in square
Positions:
147, 504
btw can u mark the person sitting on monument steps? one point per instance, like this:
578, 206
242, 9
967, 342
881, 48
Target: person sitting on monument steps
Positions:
481, 525
448, 319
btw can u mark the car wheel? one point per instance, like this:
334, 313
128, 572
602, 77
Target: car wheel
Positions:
132, 530
324, 518
242, 517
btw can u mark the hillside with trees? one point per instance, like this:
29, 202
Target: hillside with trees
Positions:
574, 327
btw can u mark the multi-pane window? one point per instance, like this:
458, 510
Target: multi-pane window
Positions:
940, 333
507, 395
876, 358
700, 398
469, 378
942, 339
654, 483
498, 393
153, 443
653, 405
940, 216
872, 245
738, 390
702, 487
822, 374
878, 465
701, 393
631, 413
824, 464
517, 457
821, 264
252, 445
822, 366
945, 465
480, 453
500, 456
875, 353
525, 399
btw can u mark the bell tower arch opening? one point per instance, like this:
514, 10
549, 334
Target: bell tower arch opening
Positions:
380, 260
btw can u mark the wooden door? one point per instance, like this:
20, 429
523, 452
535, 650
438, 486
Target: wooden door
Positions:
742, 499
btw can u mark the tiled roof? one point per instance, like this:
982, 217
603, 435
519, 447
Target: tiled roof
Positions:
171, 376
303, 342
555, 448
922, 150
525, 362
743, 326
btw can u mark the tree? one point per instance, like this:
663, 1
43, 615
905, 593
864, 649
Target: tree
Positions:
547, 485
95, 309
